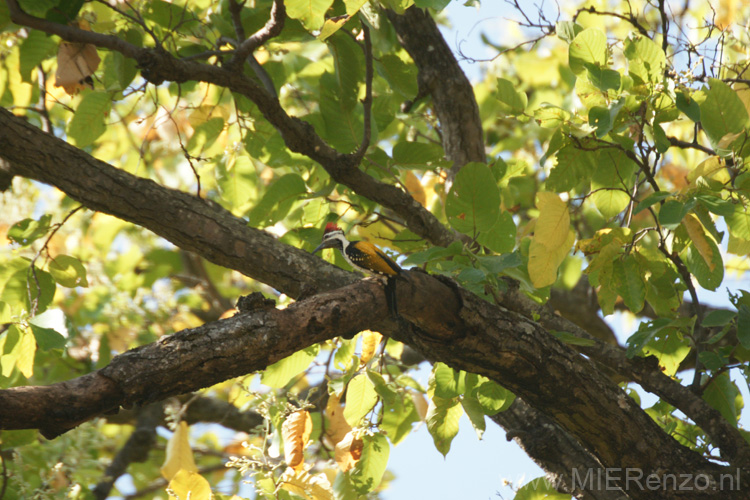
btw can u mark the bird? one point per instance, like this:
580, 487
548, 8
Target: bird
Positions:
365, 257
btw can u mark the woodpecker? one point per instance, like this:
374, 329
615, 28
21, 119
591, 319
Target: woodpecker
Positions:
365, 257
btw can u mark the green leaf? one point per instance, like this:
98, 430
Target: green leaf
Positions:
670, 349
646, 60
588, 47
310, 12
236, 180
688, 105
475, 412
23, 288
603, 78
398, 417
723, 114
493, 397
473, 204
709, 274
27, 231
402, 77
739, 222
348, 61
719, 317
47, 338
501, 237
718, 206
360, 399
368, 473
68, 271
344, 125
277, 201
442, 422
513, 102
573, 165
646, 331
448, 382
567, 30
14, 439
629, 283
711, 360
88, 122
723, 395
37, 47
743, 325
280, 373
205, 135
417, 154
651, 200
436, 5
672, 212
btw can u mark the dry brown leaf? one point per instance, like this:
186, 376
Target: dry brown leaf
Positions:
76, 62
348, 452
296, 433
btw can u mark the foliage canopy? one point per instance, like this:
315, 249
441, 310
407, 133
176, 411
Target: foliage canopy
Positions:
595, 169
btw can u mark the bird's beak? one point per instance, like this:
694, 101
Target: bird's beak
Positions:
325, 244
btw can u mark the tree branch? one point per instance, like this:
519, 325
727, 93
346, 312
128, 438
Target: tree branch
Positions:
442, 77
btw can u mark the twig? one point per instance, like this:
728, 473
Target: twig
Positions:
272, 28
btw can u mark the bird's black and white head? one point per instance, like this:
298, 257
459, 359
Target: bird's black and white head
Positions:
333, 237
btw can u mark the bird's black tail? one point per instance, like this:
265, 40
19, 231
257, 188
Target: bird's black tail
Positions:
390, 296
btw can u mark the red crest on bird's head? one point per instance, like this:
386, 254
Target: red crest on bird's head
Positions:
330, 227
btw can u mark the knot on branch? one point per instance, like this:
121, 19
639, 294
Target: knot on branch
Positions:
254, 302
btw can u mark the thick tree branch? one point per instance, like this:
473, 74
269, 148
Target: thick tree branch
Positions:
442, 77
464, 331
187, 221
645, 372
556, 451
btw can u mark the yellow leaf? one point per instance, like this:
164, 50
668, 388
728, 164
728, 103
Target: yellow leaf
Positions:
189, 484
348, 452
699, 237
337, 426
738, 246
544, 261
296, 433
27, 349
370, 342
553, 223
415, 188
710, 168
179, 455
309, 487
331, 26
552, 239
